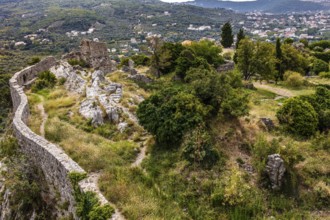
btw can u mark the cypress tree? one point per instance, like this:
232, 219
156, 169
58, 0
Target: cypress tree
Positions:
279, 56
227, 37
240, 36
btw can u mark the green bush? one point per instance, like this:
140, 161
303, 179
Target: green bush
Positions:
233, 190
294, 79
325, 75
61, 81
320, 66
34, 60
45, 79
298, 117
141, 60
169, 113
88, 206
8, 147
75, 62
321, 104
198, 149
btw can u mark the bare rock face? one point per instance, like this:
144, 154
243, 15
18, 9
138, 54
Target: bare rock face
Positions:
74, 77
275, 170
90, 110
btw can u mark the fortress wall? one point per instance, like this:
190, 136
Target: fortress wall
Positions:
54, 162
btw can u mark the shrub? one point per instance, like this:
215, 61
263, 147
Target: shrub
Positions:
321, 104
233, 190
320, 66
298, 117
197, 148
141, 60
75, 62
34, 60
45, 79
169, 113
325, 75
8, 147
293, 79
61, 81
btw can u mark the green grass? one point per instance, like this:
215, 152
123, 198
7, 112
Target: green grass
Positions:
167, 186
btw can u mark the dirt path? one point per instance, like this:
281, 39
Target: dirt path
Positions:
140, 157
278, 91
91, 184
44, 117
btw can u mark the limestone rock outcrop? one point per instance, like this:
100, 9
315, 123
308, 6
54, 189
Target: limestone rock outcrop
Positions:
74, 78
275, 170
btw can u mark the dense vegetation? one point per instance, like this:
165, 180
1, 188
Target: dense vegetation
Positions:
209, 156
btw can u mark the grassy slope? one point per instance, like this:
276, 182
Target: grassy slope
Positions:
168, 187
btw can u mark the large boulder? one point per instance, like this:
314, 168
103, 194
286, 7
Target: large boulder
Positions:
90, 110
275, 170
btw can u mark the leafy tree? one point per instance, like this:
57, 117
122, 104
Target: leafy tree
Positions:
263, 62
240, 36
217, 93
256, 59
298, 117
227, 37
187, 60
169, 113
320, 66
209, 51
245, 57
293, 60
164, 56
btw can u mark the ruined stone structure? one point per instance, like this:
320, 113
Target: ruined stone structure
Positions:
93, 53
55, 164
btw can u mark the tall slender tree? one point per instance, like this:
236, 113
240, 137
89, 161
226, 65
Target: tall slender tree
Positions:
279, 57
227, 37
240, 36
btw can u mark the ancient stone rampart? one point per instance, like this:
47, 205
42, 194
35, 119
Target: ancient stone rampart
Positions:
54, 162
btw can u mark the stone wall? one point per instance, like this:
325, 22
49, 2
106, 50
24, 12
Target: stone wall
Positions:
55, 164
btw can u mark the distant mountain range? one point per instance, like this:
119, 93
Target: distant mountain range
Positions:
274, 6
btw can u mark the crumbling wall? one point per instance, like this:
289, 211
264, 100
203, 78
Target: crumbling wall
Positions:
54, 162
